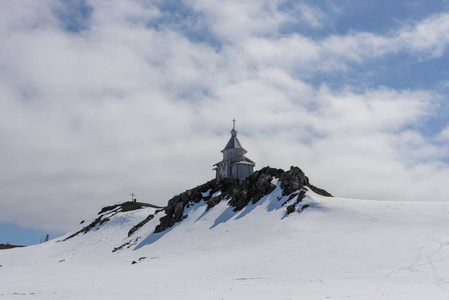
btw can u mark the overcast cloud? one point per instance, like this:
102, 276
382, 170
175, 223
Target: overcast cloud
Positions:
100, 99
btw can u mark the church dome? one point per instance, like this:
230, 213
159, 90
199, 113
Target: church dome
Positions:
234, 142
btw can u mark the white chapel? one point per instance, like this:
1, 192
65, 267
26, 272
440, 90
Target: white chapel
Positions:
234, 164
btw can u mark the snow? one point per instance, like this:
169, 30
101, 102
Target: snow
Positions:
334, 249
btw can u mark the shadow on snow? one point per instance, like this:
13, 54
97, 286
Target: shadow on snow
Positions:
275, 201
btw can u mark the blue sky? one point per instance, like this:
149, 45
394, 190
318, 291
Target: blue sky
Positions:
15, 235
102, 99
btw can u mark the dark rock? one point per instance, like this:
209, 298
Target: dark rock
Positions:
8, 246
213, 201
127, 206
138, 226
164, 223
179, 209
239, 192
293, 180
104, 221
319, 191
122, 246
109, 211
304, 207
87, 228
290, 208
292, 196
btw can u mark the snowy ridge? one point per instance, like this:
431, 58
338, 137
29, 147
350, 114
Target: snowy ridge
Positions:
335, 248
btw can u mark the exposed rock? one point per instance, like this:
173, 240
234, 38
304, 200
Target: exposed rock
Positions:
293, 180
213, 201
128, 244
128, 206
304, 207
290, 208
8, 246
239, 192
107, 212
319, 191
141, 259
138, 226
253, 188
89, 227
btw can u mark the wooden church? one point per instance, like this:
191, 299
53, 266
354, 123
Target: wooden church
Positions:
234, 164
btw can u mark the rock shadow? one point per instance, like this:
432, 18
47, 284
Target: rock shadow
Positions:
154, 237
224, 217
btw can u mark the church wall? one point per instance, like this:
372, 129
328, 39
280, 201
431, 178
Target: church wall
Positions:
241, 171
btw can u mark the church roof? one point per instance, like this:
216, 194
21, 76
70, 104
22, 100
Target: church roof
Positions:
245, 161
234, 142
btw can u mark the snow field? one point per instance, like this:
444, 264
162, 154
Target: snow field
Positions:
335, 249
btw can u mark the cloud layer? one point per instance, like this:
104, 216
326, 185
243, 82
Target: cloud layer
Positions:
102, 99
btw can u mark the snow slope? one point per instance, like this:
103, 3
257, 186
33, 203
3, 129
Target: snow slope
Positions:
334, 249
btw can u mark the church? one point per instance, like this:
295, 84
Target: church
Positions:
234, 164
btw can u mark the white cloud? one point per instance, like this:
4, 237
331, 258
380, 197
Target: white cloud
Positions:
375, 110
122, 107
444, 134
428, 38
234, 21
312, 15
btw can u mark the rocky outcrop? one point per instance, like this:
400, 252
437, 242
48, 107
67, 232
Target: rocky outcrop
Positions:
8, 246
140, 225
109, 211
127, 206
97, 222
238, 192
293, 180
319, 191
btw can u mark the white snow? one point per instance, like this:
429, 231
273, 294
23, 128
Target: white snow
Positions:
335, 249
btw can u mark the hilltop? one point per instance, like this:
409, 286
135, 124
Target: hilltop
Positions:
272, 235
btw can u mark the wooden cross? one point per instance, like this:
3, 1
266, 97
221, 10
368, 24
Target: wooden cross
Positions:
132, 196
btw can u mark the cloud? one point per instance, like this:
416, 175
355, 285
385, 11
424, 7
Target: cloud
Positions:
425, 40
428, 38
102, 99
444, 134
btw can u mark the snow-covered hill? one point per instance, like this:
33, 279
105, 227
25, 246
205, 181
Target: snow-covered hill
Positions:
325, 248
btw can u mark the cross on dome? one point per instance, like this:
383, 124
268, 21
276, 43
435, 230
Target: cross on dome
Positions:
233, 131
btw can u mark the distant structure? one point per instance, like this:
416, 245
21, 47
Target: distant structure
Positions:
234, 164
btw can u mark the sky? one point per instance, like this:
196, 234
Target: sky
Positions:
101, 99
